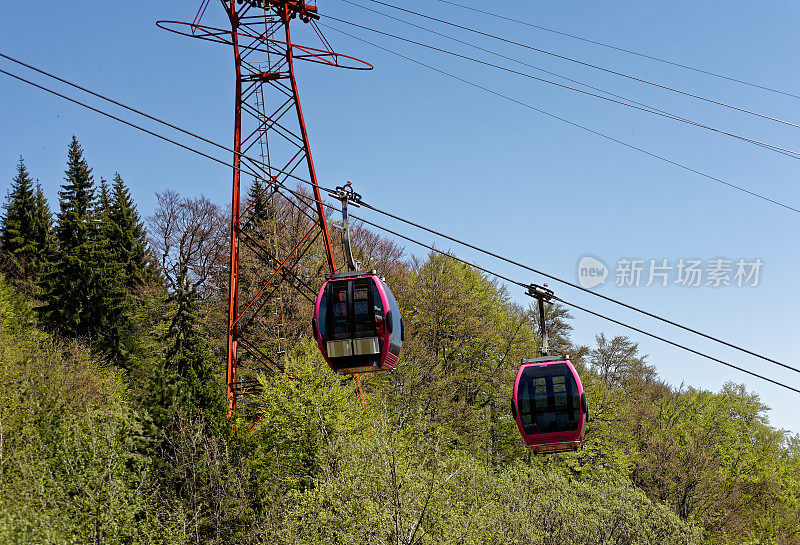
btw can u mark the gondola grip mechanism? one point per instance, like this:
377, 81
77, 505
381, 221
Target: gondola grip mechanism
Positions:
348, 196
542, 294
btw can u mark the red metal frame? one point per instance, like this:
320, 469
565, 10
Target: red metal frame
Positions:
266, 91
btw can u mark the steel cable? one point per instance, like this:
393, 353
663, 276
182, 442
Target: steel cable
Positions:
458, 241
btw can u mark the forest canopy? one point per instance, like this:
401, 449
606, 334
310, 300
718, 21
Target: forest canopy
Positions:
113, 424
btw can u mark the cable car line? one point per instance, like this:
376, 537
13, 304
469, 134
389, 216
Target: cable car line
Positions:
572, 123
577, 287
587, 64
115, 118
662, 339
429, 230
506, 57
597, 314
116, 103
576, 306
648, 109
462, 80
622, 49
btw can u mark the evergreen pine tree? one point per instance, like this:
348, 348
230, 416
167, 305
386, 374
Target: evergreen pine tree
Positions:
261, 207
103, 202
17, 233
121, 251
188, 355
70, 280
108, 302
129, 238
42, 231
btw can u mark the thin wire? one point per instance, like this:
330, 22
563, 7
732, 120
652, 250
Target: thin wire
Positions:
200, 13
567, 121
115, 118
419, 226
662, 339
597, 314
297, 178
151, 133
500, 55
107, 99
146, 115
790, 153
622, 49
583, 63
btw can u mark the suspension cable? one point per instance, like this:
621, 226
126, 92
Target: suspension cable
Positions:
626, 102
502, 56
784, 151
584, 63
622, 49
462, 80
432, 231
597, 314
572, 123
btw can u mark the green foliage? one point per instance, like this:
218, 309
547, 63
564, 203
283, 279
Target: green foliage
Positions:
68, 472
25, 230
390, 490
206, 484
188, 355
15, 313
464, 340
714, 458
113, 428
301, 412
70, 281
181, 379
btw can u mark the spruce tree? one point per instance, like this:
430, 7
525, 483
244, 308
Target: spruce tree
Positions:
261, 207
103, 202
107, 303
42, 231
121, 257
70, 281
129, 237
188, 355
19, 249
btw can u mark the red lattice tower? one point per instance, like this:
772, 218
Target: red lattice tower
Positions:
271, 144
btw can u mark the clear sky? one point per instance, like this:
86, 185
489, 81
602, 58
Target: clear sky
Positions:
474, 165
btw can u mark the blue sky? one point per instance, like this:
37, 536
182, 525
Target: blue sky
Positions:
473, 165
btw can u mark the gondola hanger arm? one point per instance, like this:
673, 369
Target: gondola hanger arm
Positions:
542, 294
347, 196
